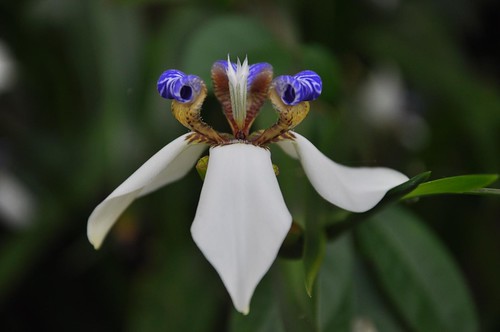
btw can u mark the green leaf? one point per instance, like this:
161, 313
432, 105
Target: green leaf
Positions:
416, 273
462, 184
264, 313
297, 308
369, 306
166, 296
352, 219
334, 290
239, 36
485, 191
404, 188
293, 245
314, 251
320, 59
19, 254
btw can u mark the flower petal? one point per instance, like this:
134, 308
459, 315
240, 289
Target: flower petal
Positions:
357, 189
304, 86
242, 219
221, 90
167, 165
174, 84
259, 79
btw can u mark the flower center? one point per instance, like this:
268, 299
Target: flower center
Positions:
186, 92
289, 95
242, 90
238, 89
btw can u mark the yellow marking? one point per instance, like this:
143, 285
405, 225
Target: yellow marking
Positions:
276, 170
202, 166
289, 117
188, 114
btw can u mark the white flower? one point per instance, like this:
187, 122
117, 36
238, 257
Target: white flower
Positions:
241, 219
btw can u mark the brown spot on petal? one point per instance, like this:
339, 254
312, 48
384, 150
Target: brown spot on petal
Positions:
221, 91
256, 96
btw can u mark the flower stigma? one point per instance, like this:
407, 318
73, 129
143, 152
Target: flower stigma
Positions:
238, 89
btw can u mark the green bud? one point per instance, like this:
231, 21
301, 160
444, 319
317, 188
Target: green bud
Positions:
202, 166
276, 170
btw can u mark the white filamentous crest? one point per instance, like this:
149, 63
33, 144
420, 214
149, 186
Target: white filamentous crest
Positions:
238, 89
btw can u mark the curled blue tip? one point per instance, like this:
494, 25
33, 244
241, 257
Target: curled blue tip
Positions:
253, 70
174, 84
256, 69
223, 63
304, 86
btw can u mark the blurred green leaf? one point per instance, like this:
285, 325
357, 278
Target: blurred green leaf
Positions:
19, 254
314, 250
462, 184
293, 245
447, 76
237, 36
297, 308
369, 305
352, 219
334, 290
264, 313
169, 294
417, 273
320, 60
314, 246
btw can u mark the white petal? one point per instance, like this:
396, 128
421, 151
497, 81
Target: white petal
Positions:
242, 219
167, 165
355, 189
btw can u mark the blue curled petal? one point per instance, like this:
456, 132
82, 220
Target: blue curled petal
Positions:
224, 63
174, 84
288, 88
311, 83
304, 86
255, 69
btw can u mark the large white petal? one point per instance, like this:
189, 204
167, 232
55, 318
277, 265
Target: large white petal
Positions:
356, 189
167, 165
242, 219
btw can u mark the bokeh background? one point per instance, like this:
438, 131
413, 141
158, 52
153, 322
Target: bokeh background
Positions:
413, 85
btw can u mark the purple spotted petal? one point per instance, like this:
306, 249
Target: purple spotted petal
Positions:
174, 84
304, 86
